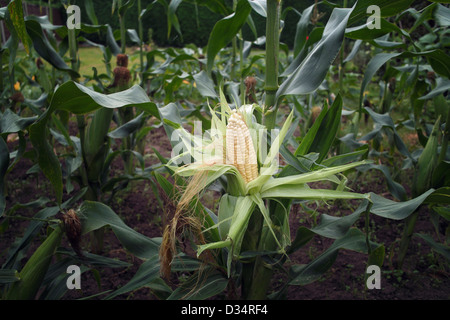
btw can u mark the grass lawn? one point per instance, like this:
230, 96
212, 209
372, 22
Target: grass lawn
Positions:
93, 57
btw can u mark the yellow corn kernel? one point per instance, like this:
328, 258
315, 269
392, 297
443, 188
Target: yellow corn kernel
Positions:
239, 148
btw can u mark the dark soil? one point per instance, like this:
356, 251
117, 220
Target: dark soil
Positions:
425, 274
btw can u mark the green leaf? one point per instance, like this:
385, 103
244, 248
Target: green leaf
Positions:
427, 162
324, 133
439, 61
302, 237
205, 85
127, 129
270, 164
295, 163
303, 192
438, 247
95, 215
226, 209
45, 49
353, 240
442, 85
388, 8
78, 99
15, 9
364, 33
32, 230
241, 215
257, 199
307, 140
89, 6
385, 121
354, 51
239, 221
132, 33
168, 188
260, 6
346, 157
111, 42
312, 71
442, 15
444, 212
425, 14
93, 260
147, 10
329, 227
375, 63
8, 276
437, 58
13, 42
47, 160
225, 30
302, 30
127, 5
200, 286
172, 18
396, 210
337, 227
440, 196
147, 272
395, 188
298, 181
33, 273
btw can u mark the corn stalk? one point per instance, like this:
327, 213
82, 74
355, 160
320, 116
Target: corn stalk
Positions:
257, 275
126, 114
123, 41
141, 36
272, 50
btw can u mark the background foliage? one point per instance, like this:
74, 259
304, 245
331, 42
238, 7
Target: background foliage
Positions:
196, 22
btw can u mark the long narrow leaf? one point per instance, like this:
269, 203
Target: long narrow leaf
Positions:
224, 31
96, 215
396, 210
308, 177
353, 240
312, 71
327, 130
304, 192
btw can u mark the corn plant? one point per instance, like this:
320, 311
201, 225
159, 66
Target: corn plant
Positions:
415, 82
240, 101
237, 153
293, 82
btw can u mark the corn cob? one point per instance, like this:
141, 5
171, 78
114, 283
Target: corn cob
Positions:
239, 148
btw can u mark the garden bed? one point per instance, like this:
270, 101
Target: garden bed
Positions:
424, 276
